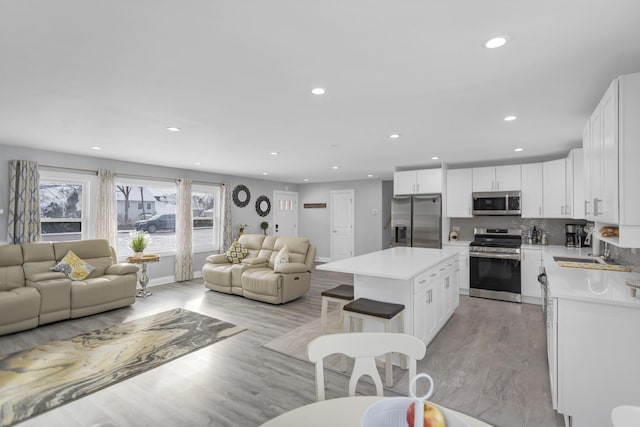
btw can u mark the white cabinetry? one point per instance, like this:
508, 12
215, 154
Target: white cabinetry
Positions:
596, 357
498, 178
574, 193
435, 298
529, 270
459, 189
424, 181
463, 265
612, 155
531, 202
553, 188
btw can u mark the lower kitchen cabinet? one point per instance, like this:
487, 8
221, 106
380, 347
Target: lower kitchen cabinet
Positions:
463, 265
530, 263
593, 359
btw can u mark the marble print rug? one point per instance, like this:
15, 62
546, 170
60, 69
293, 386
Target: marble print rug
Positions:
42, 378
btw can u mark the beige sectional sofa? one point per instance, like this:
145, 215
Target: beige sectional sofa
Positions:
31, 294
255, 277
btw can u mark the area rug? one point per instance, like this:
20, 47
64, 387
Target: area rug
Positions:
37, 380
294, 344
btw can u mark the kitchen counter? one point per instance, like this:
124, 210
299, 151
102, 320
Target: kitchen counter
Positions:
456, 243
400, 263
600, 286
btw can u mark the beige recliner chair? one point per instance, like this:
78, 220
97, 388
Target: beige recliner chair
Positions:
255, 277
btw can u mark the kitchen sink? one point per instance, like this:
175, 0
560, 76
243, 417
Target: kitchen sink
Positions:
581, 260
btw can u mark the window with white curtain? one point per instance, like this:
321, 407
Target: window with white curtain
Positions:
150, 206
66, 205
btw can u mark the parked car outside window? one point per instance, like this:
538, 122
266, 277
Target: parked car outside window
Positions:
157, 222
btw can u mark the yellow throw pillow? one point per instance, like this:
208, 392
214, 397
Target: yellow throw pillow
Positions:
74, 267
281, 259
236, 253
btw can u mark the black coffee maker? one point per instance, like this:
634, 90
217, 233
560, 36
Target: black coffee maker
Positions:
570, 235
575, 235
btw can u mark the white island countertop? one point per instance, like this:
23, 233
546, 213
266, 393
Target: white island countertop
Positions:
600, 286
400, 263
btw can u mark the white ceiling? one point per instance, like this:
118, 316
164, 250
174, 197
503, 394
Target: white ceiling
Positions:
236, 76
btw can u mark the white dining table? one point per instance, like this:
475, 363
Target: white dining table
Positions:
341, 412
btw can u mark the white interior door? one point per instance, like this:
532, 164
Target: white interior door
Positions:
342, 218
285, 213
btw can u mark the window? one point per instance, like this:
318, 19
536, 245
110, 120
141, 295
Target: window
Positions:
205, 203
64, 205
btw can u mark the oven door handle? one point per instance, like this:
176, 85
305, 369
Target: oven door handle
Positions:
494, 255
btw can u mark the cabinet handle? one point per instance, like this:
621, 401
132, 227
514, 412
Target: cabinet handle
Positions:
433, 275
540, 210
596, 201
456, 270
497, 185
568, 210
562, 210
422, 281
469, 211
586, 211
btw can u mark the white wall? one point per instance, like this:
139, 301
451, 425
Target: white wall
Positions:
315, 223
164, 268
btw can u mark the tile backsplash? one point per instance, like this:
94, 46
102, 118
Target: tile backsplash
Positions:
553, 227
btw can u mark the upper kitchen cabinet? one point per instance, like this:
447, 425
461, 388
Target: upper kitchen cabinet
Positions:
459, 188
424, 181
611, 158
554, 189
574, 193
498, 178
532, 202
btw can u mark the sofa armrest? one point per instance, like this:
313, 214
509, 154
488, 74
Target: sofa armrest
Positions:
121, 269
217, 259
45, 275
293, 267
255, 262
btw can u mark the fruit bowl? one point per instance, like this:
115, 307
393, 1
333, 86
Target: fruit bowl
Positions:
392, 412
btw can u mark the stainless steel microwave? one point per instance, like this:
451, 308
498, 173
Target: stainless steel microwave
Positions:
497, 203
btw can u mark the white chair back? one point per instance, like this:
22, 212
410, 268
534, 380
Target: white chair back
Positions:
364, 347
625, 416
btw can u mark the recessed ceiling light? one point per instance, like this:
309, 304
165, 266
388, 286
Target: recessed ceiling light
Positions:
517, 150
173, 129
495, 42
369, 176
274, 153
510, 118
96, 148
335, 168
435, 158
265, 173
394, 136
318, 91
197, 163
306, 180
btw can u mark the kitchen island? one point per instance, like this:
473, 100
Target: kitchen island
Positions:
424, 280
593, 324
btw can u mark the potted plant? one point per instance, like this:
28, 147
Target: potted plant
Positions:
264, 225
139, 242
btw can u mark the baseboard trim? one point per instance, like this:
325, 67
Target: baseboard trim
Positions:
322, 259
157, 281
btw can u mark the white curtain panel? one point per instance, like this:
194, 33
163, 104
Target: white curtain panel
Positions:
106, 222
24, 202
227, 223
184, 232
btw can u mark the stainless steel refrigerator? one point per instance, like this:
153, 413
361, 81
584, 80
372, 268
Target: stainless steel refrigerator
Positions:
417, 221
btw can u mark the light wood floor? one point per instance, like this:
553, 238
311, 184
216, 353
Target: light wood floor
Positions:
239, 383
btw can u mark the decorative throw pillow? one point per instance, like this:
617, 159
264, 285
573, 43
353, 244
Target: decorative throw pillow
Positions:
281, 259
74, 267
236, 253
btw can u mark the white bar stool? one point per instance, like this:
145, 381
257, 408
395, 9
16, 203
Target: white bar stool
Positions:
364, 308
340, 295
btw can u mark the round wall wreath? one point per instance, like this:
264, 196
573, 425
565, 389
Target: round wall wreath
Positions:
236, 196
263, 211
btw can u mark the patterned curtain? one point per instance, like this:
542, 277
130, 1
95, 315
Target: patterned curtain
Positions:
184, 232
106, 223
24, 202
227, 224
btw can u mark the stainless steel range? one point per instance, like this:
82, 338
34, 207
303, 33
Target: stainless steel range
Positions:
494, 262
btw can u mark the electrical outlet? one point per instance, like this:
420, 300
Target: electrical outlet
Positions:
374, 211
1, 211
455, 228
